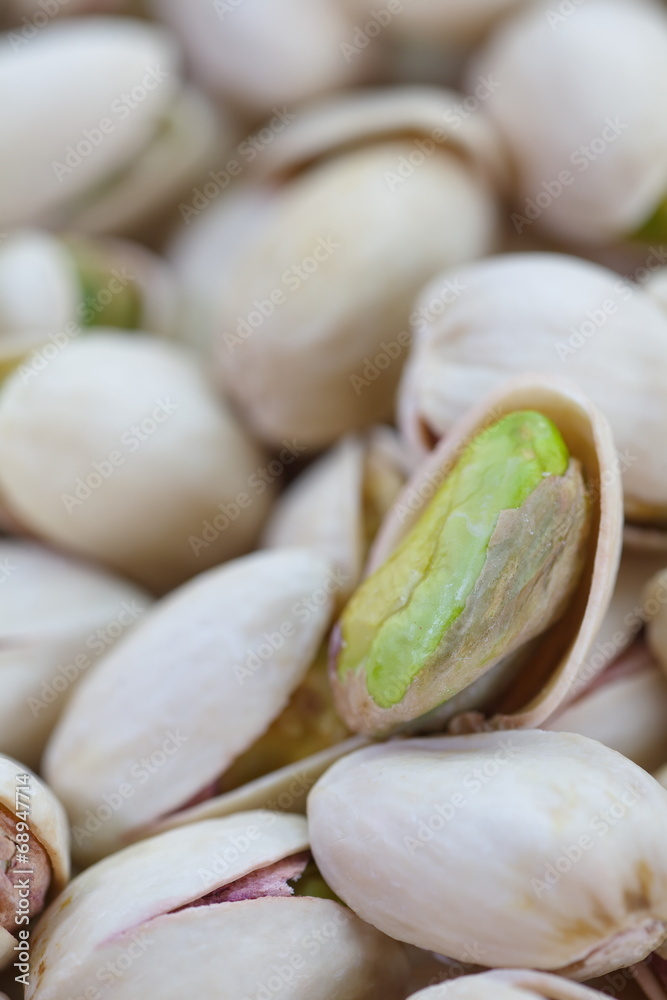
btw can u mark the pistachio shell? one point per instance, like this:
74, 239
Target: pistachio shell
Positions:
552, 664
297, 45
504, 841
457, 22
512, 984
206, 671
655, 603
56, 617
568, 103
47, 824
625, 709
657, 287
178, 458
334, 507
546, 313
143, 894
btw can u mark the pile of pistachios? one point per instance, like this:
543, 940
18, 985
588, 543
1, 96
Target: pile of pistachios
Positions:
333, 499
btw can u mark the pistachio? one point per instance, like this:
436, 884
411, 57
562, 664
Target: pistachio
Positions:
137, 473
625, 708
482, 553
34, 851
461, 22
504, 841
585, 127
84, 156
512, 984
57, 616
312, 293
655, 603
297, 45
337, 504
597, 329
227, 891
187, 693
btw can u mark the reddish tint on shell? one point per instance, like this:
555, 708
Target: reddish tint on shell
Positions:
20, 872
270, 881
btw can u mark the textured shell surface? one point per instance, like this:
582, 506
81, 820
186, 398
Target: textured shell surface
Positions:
512, 984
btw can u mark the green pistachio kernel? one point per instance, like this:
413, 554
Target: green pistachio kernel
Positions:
655, 227
102, 302
416, 609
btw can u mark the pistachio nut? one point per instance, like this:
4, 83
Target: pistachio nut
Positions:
298, 45
54, 288
236, 894
57, 616
337, 504
105, 156
499, 841
34, 854
579, 320
584, 122
313, 296
457, 22
510, 984
625, 708
655, 605
509, 532
166, 713
143, 474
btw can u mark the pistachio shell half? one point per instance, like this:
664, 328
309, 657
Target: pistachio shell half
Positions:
199, 680
34, 851
548, 313
57, 616
512, 984
436, 641
499, 841
138, 474
220, 892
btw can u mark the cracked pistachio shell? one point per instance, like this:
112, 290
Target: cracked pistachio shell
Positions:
336, 506
50, 285
57, 615
501, 840
47, 824
334, 209
568, 103
137, 897
82, 155
501, 691
297, 44
510, 984
457, 22
206, 671
625, 708
554, 314
135, 474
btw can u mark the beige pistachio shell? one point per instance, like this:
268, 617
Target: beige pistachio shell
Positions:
501, 840
555, 314
460, 22
510, 984
337, 504
22, 792
655, 603
201, 677
57, 616
555, 659
145, 474
625, 709
132, 904
314, 295
297, 45
569, 104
